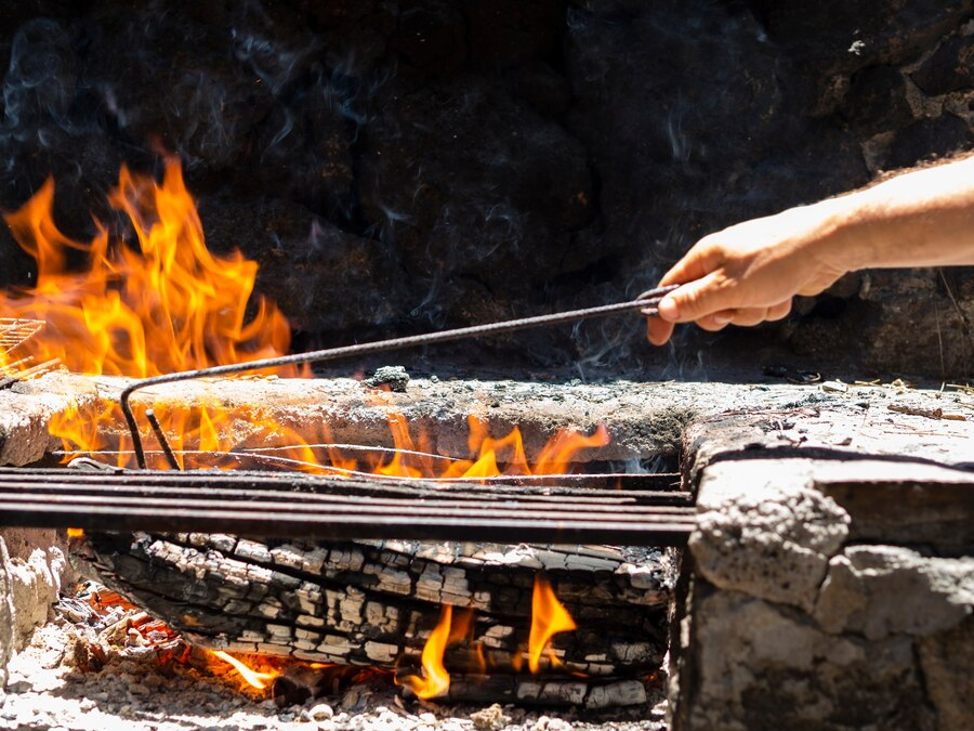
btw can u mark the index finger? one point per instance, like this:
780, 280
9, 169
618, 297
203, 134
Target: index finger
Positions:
699, 261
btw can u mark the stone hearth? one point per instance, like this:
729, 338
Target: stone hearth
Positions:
830, 580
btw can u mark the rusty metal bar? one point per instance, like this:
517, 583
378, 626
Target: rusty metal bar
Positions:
667, 482
646, 305
222, 503
238, 484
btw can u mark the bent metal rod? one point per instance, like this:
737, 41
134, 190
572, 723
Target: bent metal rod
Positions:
646, 304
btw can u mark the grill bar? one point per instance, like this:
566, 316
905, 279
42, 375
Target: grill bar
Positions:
339, 508
592, 487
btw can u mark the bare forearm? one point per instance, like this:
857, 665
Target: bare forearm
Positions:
748, 273
921, 218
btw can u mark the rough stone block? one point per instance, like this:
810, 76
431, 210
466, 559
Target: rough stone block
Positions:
946, 662
877, 591
761, 666
762, 532
32, 569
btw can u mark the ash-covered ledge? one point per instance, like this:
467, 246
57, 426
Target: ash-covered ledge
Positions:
644, 418
830, 580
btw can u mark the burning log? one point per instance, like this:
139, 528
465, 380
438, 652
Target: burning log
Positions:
376, 603
529, 690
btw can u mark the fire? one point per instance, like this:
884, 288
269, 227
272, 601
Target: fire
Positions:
167, 305
159, 302
435, 679
548, 618
253, 678
162, 302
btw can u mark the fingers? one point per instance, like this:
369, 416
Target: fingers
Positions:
659, 331
695, 300
744, 316
779, 311
702, 259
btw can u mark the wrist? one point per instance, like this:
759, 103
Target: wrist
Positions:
840, 240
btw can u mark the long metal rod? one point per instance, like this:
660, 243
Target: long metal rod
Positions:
646, 304
150, 415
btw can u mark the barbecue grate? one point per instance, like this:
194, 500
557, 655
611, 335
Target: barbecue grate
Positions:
14, 333
625, 509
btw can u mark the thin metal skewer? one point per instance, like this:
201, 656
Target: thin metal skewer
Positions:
646, 304
161, 438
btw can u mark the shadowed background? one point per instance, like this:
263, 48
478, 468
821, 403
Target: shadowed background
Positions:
396, 167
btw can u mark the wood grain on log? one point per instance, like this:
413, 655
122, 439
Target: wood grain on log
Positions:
375, 602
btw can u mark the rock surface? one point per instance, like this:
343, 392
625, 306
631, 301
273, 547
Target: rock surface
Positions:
761, 667
794, 614
768, 537
878, 591
33, 567
399, 167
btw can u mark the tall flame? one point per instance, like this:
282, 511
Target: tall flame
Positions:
163, 303
163, 306
548, 618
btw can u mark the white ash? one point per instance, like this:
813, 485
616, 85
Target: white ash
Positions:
133, 691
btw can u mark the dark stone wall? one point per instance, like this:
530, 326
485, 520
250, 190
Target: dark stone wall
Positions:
399, 166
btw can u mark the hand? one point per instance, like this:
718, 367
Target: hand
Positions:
748, 273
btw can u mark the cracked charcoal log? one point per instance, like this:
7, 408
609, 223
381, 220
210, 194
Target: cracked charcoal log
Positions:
299, 683
591, 693
375, 602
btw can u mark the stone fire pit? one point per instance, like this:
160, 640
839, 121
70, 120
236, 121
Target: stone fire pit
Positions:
830, 578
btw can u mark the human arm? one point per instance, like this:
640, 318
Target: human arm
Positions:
748, 273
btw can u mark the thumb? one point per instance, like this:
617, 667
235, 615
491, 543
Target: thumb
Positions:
692, 301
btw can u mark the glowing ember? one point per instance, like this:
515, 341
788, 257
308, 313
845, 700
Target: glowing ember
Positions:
435, 679
548, 618
253, 678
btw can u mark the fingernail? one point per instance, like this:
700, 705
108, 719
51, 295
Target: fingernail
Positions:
722, 318
668, 309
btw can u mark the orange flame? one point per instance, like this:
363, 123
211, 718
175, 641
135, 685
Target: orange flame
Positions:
435, 679
165, 306
165, 303
548, 618
253, 678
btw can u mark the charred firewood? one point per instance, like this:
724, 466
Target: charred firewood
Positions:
528, 690
375, 602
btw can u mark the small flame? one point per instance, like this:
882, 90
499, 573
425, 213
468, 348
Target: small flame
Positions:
252, 677
548, 618
435, 679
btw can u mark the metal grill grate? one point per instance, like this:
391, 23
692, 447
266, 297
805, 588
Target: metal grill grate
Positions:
619, 509
14, 333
